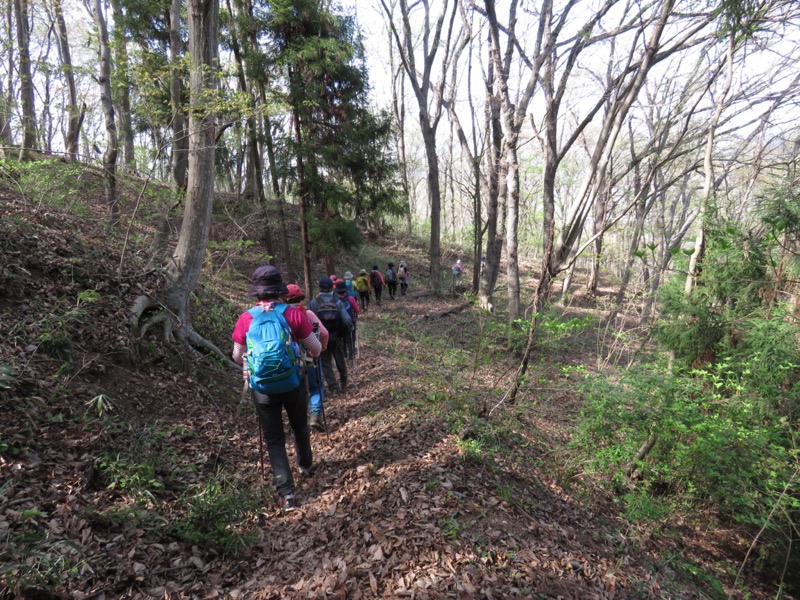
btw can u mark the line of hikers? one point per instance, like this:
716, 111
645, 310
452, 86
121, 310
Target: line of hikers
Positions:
278, 342
362, 287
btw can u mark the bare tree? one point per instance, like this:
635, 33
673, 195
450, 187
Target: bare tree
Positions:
428, 95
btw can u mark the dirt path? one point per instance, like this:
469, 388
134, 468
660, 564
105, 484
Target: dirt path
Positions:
396, 510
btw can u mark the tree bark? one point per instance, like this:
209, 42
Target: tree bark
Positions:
74, 112
180, 141
104, 79
183, 270
26, 79
123, 87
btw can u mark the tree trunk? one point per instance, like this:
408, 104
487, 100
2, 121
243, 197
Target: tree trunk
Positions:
123, 87
512, 230
5, 126
303, 194
495, 209
253, 153
434, 196
597, 232
74, 112
708, 172
180, 141
183, 270
283, 234
26, 80
104, 79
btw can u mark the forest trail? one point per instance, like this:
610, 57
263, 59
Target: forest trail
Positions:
396, 509
128, 470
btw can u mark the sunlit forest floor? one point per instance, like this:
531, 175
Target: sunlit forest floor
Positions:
130, 469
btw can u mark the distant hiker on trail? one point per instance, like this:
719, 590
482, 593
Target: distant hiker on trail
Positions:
483, 264
403, 277
352, 309
458, 271
333, 314
268, 335
391, 280
348, 281
294, 298
363, 288
376, 281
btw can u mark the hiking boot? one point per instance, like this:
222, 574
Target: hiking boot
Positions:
309, 472
315, 422
344, 384
288, 503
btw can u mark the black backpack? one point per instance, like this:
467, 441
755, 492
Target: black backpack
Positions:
328, 313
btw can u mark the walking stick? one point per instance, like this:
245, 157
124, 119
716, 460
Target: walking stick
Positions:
242, 400
318, 367
261, 446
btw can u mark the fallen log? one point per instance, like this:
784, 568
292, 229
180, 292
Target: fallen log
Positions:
442, 313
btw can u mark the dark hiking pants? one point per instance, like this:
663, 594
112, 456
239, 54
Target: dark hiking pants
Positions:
269, 409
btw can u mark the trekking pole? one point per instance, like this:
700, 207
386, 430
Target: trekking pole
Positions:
242, 400
261, 445
318, 368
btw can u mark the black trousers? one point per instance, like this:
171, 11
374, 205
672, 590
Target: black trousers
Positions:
334, 353
270, 414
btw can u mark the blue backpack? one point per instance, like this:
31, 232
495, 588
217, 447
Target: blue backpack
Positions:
272, 357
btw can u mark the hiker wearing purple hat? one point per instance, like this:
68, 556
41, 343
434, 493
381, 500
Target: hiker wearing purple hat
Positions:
267, 336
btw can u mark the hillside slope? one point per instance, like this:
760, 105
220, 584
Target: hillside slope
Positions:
129, 468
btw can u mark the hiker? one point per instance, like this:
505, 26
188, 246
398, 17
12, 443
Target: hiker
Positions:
294, 298
376, 281
363, 288
340, 289
403, 276
391, 280
268, 335
348, 281
458, 271
333, 315
483, 264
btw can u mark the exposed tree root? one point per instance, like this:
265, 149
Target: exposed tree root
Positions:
173, 330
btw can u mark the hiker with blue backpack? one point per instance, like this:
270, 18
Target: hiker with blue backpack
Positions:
352, 309
391, 280
316, 419
333, 314
266, 341
348, 281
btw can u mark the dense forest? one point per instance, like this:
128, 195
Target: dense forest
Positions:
605, 404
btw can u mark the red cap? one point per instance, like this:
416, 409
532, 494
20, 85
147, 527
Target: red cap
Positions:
295, 293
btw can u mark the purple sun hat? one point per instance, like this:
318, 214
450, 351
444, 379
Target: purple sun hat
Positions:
267, 281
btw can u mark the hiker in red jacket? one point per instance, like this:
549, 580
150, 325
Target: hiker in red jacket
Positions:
377, 283
269, 288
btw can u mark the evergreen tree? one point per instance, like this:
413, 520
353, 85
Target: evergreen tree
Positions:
345, 173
